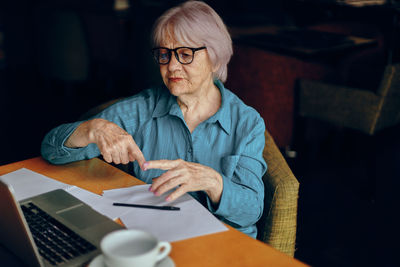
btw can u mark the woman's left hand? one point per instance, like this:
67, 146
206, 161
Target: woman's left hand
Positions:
187, 176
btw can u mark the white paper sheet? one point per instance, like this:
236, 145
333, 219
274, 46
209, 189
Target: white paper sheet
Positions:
27, 183
190, 221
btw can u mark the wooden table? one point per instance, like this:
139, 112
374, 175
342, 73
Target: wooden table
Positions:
229, 248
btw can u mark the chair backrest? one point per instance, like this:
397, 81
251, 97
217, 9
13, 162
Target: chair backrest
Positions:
389, 114
97, 109
278, 224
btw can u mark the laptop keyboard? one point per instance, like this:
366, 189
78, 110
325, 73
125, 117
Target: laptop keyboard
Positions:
56, 243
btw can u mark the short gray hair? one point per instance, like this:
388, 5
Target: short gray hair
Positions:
194, 23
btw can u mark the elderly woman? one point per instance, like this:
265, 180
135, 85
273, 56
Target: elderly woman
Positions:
190, 134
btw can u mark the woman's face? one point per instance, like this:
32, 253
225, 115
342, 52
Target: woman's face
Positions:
189, 79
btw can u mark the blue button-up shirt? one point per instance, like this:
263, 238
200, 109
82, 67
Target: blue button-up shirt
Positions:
231, 142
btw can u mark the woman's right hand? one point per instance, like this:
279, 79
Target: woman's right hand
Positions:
114, 143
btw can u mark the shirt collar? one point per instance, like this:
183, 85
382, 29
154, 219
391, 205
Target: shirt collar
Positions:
168, 104
223, 115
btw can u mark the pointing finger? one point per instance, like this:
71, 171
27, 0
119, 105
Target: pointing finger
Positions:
162, 164
140, 158
136, 154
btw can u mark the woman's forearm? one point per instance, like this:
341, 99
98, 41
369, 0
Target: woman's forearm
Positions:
83, 134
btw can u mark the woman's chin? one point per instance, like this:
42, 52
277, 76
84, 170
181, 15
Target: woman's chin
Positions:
176, 89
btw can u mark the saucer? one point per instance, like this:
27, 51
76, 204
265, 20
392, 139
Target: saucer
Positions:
98, 262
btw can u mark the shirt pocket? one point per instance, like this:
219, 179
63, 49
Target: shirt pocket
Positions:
228, 164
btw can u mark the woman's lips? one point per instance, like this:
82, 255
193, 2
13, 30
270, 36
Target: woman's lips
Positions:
173, 79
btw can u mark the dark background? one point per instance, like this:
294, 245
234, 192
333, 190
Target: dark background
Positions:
116, 61
339, 217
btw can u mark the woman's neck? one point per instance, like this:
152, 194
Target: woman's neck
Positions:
198, 108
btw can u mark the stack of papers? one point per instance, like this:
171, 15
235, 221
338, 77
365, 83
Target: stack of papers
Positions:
190, 221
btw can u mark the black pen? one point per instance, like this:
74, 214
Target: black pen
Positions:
146, 206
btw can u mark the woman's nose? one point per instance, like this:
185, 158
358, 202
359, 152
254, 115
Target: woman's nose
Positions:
174, 63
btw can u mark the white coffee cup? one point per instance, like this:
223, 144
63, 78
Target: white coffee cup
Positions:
133, 248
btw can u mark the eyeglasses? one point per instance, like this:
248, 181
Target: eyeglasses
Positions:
184, 55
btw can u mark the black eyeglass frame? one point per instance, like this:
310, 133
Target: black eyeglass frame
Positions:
176, 54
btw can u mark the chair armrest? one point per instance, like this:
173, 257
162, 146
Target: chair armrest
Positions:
344, 106
278, 224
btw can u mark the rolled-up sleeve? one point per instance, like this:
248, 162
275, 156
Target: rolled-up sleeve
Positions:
54, 151
242, 199
127, 114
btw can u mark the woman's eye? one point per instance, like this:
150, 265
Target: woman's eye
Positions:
164, 56
184, 55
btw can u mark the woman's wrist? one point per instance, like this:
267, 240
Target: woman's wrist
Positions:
215, 191
82, 136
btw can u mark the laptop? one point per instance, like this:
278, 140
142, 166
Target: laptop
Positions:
51, 229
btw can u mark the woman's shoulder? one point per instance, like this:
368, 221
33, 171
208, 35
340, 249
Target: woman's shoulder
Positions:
245, 120
238, 106
145, 96
142, 101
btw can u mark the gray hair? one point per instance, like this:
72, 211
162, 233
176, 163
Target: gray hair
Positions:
194, 23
